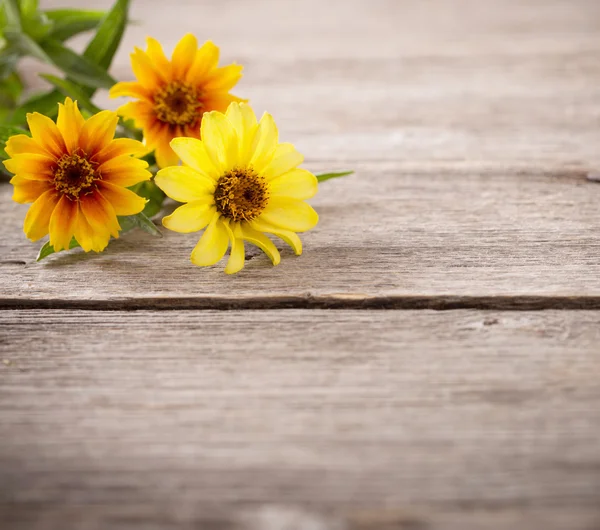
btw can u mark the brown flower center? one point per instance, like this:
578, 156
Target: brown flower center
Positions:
241, 194
178, 104
73, 175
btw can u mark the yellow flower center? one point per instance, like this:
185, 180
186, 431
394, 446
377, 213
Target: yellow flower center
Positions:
73, 175
241, 194
178, 104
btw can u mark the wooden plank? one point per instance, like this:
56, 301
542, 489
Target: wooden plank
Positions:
471, 136
384, 237
349, 420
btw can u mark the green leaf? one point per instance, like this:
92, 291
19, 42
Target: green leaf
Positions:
45, 103
10, 90
5, 133
326, 176
73, 91
71, 22
48, 249
28, 7
23, 43
77, 67
149, 190
104, 45
12, 13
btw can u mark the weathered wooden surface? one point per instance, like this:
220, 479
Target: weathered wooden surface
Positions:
450, 420
472, 125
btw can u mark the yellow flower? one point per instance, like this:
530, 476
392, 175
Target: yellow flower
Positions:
173, 95
76, 175
238, 182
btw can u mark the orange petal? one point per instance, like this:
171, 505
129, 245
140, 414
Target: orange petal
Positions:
23, 144
140, 111
124, 201
157, 56
38, 216
206, 60
120, 147
165, 156
184, 55
45, 132
220, 101
88, 237
98, 131
223, 79
33, 167
124, 171
146, 72
69, 122
99, 213
132, 89
28, 190
62, 223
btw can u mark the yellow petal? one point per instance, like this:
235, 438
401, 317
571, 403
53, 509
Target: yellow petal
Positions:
157, 56
206, 59
291, 238
220, 141
124, 201
184, 55
69, 123
243, 119
124, 171
190, 217
120, 147
141, 112
165, 156
284, 159
192, 153
38, 216
98, 131
100, 214
88, 237
289, 214
30, 166
45, 132
62, 223
262, 242
297, 184
224, 78
132, 89
146, 72
23, 144
29, 190
264, 143
237, 255
212, 245
185, 184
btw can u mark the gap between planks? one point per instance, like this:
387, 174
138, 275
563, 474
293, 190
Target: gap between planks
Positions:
340, 302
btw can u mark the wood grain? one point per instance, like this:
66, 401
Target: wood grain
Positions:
300, 419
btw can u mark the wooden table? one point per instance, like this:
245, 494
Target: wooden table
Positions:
431, 362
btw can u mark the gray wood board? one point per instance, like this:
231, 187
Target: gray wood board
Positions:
300, 420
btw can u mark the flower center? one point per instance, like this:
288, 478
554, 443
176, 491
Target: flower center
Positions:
73, 175
178, 104
241, 194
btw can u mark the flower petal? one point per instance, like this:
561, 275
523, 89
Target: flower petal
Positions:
69, 123
100, 214
212, 245
28, 190
284, 159
192, 153
224, 78
30, 166
243, 119
206, 59
184, 55
120, 147
289, 214
62, 223
297, 184
90, 238
46, 133
157, 56
184, 184
262, 242
23, 144
264, 143
124, 171
165, 156
147, 73
98, 131
124, 201
219, 140
291, 238
38, 216
132, 89
191, 217
237, 255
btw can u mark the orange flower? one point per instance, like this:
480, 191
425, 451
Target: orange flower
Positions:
76, 175
174, 95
